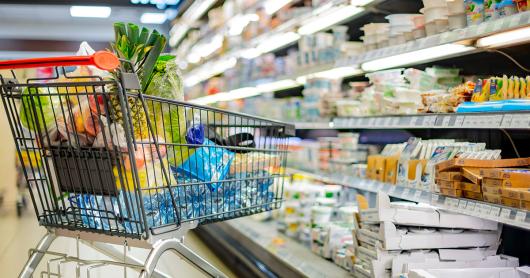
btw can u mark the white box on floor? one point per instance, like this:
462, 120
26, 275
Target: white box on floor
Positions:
401, 239
496, 272
488, 262
422, 215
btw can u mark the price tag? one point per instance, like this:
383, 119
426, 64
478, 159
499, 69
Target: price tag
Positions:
471, 207
414, 121
435, 198
507, 120
405, 194
495, 211
395, 121
520, 121
486, 209
478, 209
417, 195
446, 121
379, 121
462, 205
505, 213
388, 121
520, 216
451, 203
459, 121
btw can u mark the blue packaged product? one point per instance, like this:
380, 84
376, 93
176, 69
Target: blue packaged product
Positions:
195, 134
209, 163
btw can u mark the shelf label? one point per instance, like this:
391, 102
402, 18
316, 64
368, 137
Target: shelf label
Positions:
451, 203
520, 216
405, 194
486, 209
435, 198
507, 120
459, 121
447, 121
417, 195
388, 121
505, 213
495, 211
462, 205
471, 207
478, 208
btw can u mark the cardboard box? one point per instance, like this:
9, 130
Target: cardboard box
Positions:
450, 262
472, 195
492, 198
449, 176
422, 215
397, 240
451, 192
512, 193
506, 173
478, 163
380, 164
514, 203
516, 183
472, 174
491, 182
525, 205
492, 190
489, 272
448, 184
391, 169
467, 186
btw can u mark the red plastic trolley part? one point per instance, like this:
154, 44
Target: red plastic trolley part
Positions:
102, 59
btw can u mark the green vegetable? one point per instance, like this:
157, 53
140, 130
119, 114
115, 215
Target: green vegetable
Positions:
37, 108
139, 47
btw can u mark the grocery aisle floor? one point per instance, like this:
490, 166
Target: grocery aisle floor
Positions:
18, 235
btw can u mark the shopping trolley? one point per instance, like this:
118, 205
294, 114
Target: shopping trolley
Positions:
115, 166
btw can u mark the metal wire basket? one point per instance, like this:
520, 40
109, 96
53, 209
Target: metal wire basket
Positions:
111, 160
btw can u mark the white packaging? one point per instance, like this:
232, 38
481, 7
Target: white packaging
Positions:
422, 215
494, 272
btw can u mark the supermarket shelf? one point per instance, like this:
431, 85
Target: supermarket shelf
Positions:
465, 35
470, 33
507, 215
508, 120
314, 125
279, 253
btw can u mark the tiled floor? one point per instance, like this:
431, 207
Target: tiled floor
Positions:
18, 235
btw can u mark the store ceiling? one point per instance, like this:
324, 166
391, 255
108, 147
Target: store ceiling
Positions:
50, 28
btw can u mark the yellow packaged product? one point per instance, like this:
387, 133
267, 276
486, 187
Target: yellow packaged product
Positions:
511, 86
522, 91
516, 87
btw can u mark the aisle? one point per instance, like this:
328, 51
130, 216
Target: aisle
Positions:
18, 235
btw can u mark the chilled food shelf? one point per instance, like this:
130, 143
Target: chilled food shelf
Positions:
455, 43
262, 240
512, 120
507, 215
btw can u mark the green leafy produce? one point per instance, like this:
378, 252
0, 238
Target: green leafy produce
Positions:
166, 81
37, 108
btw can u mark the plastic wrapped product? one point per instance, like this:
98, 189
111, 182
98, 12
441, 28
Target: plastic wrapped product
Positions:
209, 163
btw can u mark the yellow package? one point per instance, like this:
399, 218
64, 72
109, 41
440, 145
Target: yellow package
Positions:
504, 87
496, 89
522, 91
528, 86
485, 95
516, 87
511, 86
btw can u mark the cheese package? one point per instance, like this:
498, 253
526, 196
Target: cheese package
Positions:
506, 173
472, 195
391, 165
492, 182
480, 163
451, 192
512, 193
467, 186
449, 176
525, 205
514, 203
491, 190
492, 198
448, 184
472, 174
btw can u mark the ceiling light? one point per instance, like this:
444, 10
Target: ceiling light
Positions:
361, 3
153, 18
277, 41
90, 11
328, 19
197, 10
337, 73
505, 38
423, 55
278, 85
272, 6
177, 34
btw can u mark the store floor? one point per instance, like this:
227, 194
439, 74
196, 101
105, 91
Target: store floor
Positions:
18, 235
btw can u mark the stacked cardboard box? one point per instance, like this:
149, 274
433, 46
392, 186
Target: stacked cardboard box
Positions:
485, 180
392, 235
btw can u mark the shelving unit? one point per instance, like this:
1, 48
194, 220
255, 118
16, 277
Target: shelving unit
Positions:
503, 214
465, 38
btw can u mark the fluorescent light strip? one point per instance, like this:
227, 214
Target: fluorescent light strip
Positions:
412, 57
90, 11
328, 19
272, 6
208, 70
337, 73
228, 96
277, 41
278, 85
505, 38
153, 18
197, 10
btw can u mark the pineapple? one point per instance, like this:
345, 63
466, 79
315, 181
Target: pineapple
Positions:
141, 48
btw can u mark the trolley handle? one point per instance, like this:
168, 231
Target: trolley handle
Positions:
103, 60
